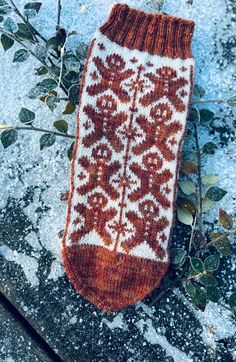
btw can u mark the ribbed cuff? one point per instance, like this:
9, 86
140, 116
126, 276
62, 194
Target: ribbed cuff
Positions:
157, 34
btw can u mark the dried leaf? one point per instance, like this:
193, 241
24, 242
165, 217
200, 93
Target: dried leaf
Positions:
225, 219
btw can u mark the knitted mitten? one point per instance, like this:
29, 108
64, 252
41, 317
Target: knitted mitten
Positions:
135, 95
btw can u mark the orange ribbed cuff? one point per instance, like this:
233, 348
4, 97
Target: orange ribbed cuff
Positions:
156, 34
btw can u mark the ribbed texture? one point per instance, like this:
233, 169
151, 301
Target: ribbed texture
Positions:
156, 34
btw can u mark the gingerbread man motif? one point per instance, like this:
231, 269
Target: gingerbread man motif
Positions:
95, 218
158, 132
147, 228
100, 171
106, 121
113, 73
151, 180
166, 84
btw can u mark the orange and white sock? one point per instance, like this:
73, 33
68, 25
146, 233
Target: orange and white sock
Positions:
135, 96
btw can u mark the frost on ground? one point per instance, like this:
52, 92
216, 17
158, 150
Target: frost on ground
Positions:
32, 181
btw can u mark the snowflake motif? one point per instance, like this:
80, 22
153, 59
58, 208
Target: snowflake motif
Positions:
133, 60
101, 46
94, 75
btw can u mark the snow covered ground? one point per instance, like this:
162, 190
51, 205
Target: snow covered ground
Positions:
45, 175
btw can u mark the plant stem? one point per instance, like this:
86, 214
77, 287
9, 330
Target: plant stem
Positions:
32, 30
199, 176
34, 55
32, 128
210, 101
192, 234
58, 13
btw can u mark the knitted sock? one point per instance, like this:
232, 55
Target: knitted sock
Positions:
135, 94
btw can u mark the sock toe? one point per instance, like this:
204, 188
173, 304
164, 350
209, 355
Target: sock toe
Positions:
111, 280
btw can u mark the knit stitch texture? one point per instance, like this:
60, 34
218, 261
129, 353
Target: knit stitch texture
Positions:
135, 94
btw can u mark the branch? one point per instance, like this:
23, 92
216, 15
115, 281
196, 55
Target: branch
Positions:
32, 128
199, 176
34, 55
58, 13
210, 101
27, 23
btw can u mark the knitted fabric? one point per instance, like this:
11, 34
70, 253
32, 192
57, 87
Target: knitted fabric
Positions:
135, 95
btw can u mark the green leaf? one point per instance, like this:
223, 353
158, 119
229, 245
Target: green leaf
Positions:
213, 294
7, 42
210, 148
197, 264
178, 255
187, 187
199, 298
1, 18
223, 245
81, 51
206, 115
53, 43
208, 280
33, 5
47, 84
20, 55
71, 76
194, 115
225, 219
26, 116
184, 216
190, 289
206, 204
212, 262
23, 32
214, 193
42, 70
232, 300
199, 91
8, 137
74, 92
52, 102
232, 101
4, 10
192, 272
10, 25
71, 62
70, 108
210, 179
61, 126
47, 140
70, 150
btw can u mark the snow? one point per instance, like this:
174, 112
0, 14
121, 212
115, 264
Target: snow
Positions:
23, 166
151, 335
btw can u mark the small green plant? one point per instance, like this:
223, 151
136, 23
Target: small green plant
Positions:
58, 79
59, 71
195, 265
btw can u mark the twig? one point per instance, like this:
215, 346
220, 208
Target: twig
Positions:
34, 55
199, 176
58, 13
210, 101
31, 28
37, 129
192, 234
